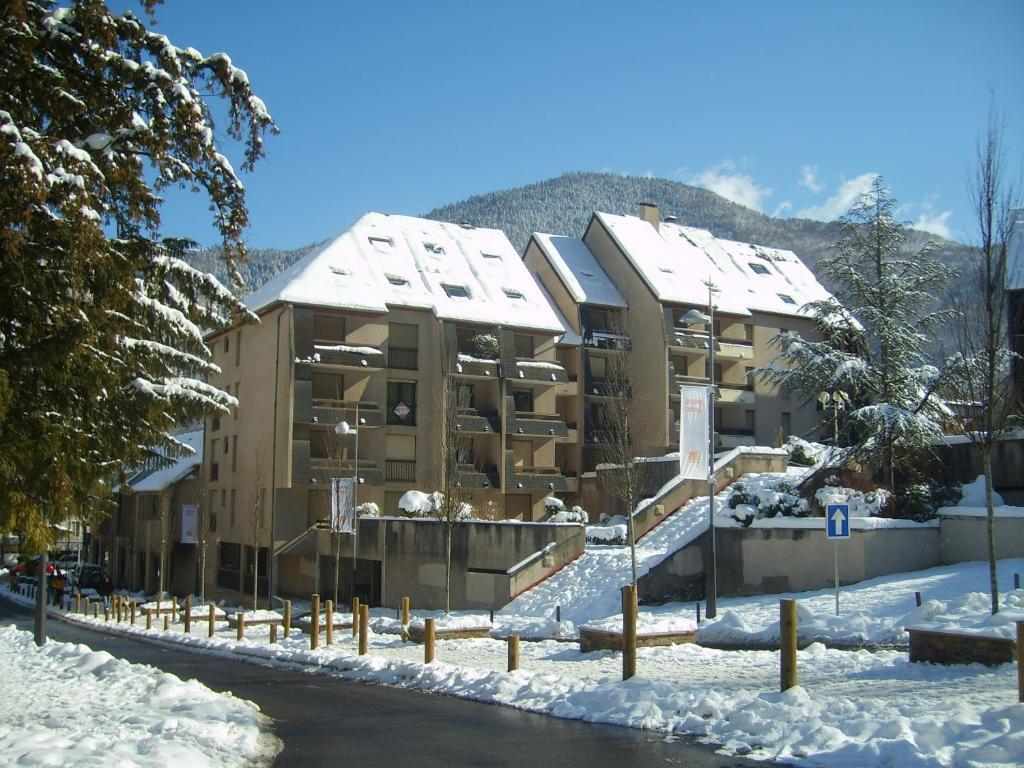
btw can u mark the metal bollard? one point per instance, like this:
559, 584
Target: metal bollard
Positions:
698, 612
355, 616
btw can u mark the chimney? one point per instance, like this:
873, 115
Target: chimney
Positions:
671, 219
649, 213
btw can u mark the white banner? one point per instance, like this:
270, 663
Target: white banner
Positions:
342, 507
189, 518
693, 432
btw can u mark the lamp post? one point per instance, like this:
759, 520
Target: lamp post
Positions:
343, 428
711, 576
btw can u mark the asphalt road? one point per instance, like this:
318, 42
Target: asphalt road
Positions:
326, 721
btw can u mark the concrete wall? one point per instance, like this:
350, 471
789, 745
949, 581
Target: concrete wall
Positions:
966, 538
399, 557
753, 561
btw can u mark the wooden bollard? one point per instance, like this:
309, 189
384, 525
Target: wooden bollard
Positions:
628, 633
87, 603
158, 606
117, 607
1020, 661
405, 611
240, 628
314, 622
167, 622
364, 629
131, 611
212, 620
96, 611
188, 614
149, 618
917, 599
428, 641
355, 616
78, 602
174, 609
697, 605
787, 644
513, 652
329, 615
106, 613
273, 633
287, 618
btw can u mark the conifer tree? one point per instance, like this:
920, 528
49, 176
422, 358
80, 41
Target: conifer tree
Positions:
101, 323
874, 335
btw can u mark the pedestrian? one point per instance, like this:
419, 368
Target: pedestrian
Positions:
58, 588
105, 588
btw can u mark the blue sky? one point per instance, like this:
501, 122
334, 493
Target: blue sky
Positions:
787, 107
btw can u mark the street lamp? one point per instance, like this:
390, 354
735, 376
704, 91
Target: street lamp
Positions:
343, 429
689, 318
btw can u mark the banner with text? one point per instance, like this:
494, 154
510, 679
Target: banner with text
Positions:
693, 432
342, 504
189, 534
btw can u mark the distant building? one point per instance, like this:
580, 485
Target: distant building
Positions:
1015, 290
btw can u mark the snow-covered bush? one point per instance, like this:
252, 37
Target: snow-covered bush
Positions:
553, 504
368, 509
776, 497
803, 452
575, 515
419, 504
611, 530
485, 345
862, 503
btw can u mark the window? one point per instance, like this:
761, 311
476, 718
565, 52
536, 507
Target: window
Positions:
786, 298
214, 473
787, 427
215, 422
598, 367
523, 399
456, 291
232, 511
328, 328
213, 522
227, 344
759, 269
227, 445
398, 280
402, 403
748, 331
238, 348
464, 396
748, 375
433, 248
234, 453
524, 345
229, 565
382, 244
403, 343
512, 293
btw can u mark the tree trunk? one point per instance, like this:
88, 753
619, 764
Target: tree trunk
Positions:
990, 518
447, 567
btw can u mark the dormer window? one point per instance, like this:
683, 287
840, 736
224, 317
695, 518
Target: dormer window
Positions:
456, 291
586, 273
341, 270
786, 298
512, 293
434, 248
487, 255
398, 280
668, 270
382, 244
758, 269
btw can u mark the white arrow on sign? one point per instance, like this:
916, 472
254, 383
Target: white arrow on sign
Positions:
837, 518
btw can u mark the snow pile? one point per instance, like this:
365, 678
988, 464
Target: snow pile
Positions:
971, 614
96, 709
647, 623
862, 504
973, 494
261, 615
455, 621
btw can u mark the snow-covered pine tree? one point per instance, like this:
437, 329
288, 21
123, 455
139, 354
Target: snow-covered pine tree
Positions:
101, 323
874, 336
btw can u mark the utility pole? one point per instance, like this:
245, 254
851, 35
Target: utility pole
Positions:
40, 624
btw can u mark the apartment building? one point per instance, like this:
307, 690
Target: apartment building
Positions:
363, 331
657, 271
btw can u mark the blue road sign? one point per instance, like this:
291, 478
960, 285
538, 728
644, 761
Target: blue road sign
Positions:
837, 519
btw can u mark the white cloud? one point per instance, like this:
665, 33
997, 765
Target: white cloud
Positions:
809, 178
841, 201
738, 187
784, 206
934, 223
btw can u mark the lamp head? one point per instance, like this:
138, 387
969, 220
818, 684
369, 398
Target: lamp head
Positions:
694, 316
342, 428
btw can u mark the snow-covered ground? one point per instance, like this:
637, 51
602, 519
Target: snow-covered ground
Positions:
65, 704
853, 708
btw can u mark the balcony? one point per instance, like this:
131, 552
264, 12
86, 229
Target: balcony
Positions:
571, 434
736, 394
469, 367
732, 349
601, 388
537, 478
471, 476
528, 424
403, 359
528, 369
679, 380
598, 339
331, 411
347, 356
693, 342
472, 421
323, 469
568, 388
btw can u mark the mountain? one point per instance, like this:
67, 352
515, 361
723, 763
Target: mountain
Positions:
563, 206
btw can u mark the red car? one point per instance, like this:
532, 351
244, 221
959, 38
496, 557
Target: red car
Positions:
31, 568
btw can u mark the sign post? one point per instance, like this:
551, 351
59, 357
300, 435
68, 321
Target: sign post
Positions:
837, 526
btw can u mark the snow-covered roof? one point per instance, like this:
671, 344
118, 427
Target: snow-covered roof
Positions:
576, 267
384, 261
676, 261
154, 480
1015, 254
569, 337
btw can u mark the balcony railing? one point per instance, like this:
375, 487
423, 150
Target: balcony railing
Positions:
399, 471
403, 359
347, 356
330, 411
599, 339
482, 422
480, 367
531, 424
472, 476
529, 369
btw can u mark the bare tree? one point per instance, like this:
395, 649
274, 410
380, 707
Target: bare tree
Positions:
202, 526
625, 478
981, 369
257, 495
164, 515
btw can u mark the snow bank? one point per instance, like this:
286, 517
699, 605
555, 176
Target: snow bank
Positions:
973, 494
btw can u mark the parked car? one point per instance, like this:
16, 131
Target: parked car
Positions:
86, 576
30, 567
